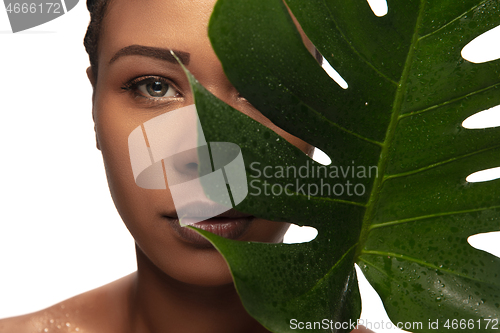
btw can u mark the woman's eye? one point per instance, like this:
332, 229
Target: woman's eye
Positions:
153, 88
156, 88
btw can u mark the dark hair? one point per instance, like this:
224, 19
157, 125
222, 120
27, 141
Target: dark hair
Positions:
97, 9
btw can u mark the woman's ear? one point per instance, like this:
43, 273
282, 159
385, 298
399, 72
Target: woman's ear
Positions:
96, 139
91, 77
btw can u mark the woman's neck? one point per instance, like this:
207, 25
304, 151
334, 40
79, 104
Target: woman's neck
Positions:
159, 303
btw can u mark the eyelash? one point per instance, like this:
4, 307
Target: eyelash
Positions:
134, 84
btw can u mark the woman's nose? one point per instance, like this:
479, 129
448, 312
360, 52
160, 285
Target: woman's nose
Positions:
187, 162
191, 159
190, 163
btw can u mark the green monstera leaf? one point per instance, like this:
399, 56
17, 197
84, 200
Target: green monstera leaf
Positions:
406, 225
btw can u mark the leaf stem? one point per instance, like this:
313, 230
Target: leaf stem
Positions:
389, 137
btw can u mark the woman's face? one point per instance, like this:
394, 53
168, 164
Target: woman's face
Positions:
134, 87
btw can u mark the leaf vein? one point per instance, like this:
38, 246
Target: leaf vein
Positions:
423, 217
455, 19
366, 61
434, 165
451, 101
332, 200
420, 262
319, 114
330, 271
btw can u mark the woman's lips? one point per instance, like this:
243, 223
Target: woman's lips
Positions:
227, 227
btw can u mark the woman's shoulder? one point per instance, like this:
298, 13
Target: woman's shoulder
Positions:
95, 311
62, 316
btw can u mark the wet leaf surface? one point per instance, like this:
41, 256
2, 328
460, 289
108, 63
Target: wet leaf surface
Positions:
408, 92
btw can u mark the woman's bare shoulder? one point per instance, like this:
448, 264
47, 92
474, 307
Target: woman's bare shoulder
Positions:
99, 310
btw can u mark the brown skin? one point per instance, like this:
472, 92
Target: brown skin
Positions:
178, 287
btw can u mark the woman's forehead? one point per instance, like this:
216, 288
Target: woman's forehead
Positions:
171, 24
164, 23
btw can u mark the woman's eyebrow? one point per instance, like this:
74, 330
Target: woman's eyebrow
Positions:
153, 52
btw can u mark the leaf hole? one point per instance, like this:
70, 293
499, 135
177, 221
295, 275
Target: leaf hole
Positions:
379, 7
484, 175
373, 314
483, 119
487, 242
334, 74
297, 234
483, 48
320, 157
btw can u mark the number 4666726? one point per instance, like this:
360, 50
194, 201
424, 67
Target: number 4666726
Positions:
25, 8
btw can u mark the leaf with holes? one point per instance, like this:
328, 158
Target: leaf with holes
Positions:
406, 225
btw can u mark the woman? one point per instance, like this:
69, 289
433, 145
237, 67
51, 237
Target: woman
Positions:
182, 283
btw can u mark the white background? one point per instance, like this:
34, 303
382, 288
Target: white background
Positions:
60, 234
